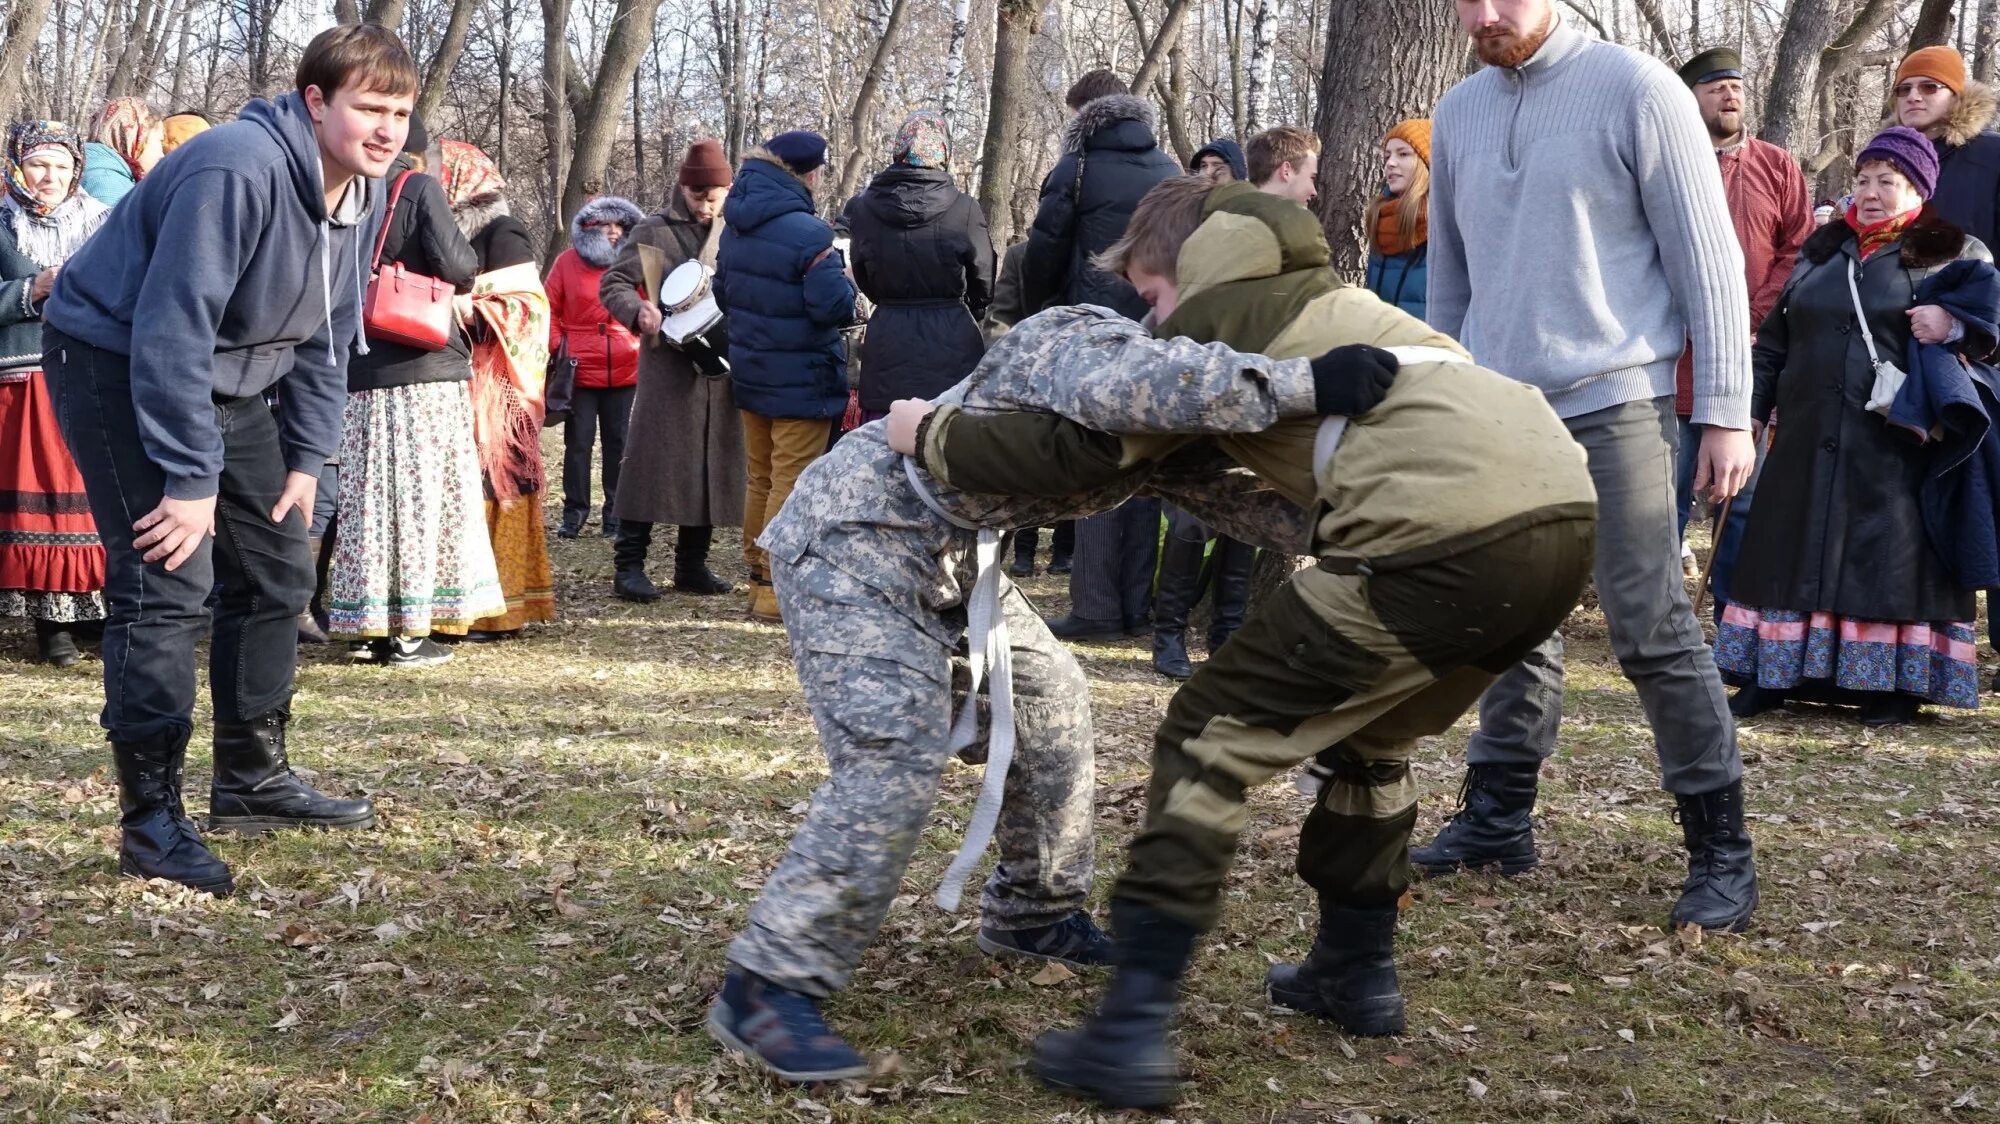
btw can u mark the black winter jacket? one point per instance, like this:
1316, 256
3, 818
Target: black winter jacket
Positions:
424, 238
1110, 161
1968, 185
922, 254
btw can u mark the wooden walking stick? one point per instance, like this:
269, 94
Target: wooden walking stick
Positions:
1721, 522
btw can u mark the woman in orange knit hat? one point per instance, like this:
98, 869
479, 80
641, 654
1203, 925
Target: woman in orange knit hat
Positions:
1398, 236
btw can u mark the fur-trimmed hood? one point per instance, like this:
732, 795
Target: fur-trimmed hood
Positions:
1971, 115
1123, 115
1927, 243
594, 246
766, 156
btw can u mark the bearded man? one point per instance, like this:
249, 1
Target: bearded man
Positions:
1579, 242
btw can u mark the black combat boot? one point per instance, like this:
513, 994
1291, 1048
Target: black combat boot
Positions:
1233, 563
1024, 553
55, 644
691, 572
158, 838
1493, 828
1349, 977
255, 790
1121, 1056
1721, 887
1180, 585
634, 585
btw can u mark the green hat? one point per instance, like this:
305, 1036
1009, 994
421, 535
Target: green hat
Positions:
1712, 66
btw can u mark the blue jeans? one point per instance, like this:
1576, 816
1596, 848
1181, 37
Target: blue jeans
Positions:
263, 570
1723, 571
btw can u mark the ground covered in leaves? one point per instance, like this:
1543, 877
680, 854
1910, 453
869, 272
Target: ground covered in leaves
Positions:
574, 825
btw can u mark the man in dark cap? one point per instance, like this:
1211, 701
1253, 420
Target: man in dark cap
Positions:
1771, 209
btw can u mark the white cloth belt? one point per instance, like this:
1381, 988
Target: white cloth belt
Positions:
1334, 427
986, 641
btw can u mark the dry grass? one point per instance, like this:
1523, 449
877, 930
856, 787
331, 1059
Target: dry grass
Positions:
574, 825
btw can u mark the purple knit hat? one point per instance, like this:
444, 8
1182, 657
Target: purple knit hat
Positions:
1910, 151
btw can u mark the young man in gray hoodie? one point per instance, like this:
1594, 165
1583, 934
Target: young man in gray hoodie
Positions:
232, 274
1579, 240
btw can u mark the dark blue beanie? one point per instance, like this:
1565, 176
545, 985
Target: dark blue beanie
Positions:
801, 151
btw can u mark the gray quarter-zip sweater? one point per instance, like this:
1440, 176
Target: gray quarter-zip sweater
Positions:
1579, 236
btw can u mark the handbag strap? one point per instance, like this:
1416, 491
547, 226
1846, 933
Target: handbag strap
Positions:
388, 215
1861, 315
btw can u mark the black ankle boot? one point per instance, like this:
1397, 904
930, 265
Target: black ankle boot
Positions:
1749, 702
1180, 585
691, 572
1121, 1056
1721, 887
634, 585
1024, 554
255, 790
1233, 563
158, 839
55, 645
1349, 977
1493, 828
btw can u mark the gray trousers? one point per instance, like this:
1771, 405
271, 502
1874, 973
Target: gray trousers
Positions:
880, 691
1116, 554
1654, 634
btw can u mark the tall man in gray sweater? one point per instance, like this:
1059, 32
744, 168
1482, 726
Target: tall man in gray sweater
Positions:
1579, 238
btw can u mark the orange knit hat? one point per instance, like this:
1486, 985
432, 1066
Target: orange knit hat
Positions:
1416, 132
1940, 64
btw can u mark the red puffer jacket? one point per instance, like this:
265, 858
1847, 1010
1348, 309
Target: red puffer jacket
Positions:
606, 352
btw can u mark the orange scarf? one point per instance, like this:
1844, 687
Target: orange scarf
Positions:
1871, 238
1389, 237
510, 359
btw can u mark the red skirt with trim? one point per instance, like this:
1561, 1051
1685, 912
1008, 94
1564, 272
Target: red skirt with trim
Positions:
48, 541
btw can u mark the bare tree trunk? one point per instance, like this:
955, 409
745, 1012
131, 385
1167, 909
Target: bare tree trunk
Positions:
174, 100
259, 16
954, 59
555, 102
864, 98
388, 13
1385, 60
1017, 20
1174, 95
1649, 10
597, 128
502, 152
126, 70
639, 125
1169, 34
1986, 42
438, 78
24, 26
1232, 32
1794, 83
1263, 49
1933, 26
346, 11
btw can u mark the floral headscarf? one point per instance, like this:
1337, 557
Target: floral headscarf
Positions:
26, 138
924, 141
466, 173
123, 126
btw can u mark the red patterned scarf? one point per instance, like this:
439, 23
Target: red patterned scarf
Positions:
1872, 237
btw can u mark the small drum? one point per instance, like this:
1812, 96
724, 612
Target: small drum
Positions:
692, 322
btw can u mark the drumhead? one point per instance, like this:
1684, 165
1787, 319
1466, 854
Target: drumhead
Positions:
685, 286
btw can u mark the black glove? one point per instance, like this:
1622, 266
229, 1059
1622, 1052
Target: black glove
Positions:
1352, 380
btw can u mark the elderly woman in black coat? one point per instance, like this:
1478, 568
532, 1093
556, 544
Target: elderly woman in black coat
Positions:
1840, 595
922, 254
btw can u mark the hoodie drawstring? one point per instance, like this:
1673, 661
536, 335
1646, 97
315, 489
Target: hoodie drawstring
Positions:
361, 296
326, 287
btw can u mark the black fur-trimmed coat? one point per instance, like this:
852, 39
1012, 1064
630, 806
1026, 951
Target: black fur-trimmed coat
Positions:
1836, 526
1968, 190
1111, 159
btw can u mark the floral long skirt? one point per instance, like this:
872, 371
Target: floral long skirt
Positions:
411, 555
1935, 661
521, 548
51, 560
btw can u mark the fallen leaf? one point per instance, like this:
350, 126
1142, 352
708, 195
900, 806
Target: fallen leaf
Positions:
1051, 974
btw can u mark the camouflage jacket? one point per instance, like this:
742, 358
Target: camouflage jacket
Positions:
857, 508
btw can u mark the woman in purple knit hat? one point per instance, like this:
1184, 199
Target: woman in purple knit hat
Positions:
1840, 596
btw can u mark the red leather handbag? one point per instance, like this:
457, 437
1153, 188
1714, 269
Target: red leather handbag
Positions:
404, 307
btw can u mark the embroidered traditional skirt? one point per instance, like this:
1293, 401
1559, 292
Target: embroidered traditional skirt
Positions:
411, 556
51, 561
1935, 661
521, 550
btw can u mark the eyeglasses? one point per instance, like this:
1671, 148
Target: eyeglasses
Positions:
1926, 88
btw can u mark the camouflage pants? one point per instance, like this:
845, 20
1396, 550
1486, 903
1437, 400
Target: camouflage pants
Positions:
1364, 666
880, 690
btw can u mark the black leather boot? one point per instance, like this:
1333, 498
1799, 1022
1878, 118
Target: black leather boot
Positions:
1493, 828
158, 839
634, 585
1349, 977
1721, 887
691, 572
1024, 553
1121, 1056
1180, 585
1233, 562
255, 790
54, 644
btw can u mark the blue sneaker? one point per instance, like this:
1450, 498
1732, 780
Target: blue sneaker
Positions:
780, 1030
1075, 940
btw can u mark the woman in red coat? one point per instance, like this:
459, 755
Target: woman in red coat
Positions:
605, 351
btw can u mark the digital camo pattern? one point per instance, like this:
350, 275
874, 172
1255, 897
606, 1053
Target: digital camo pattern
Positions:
879, 689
